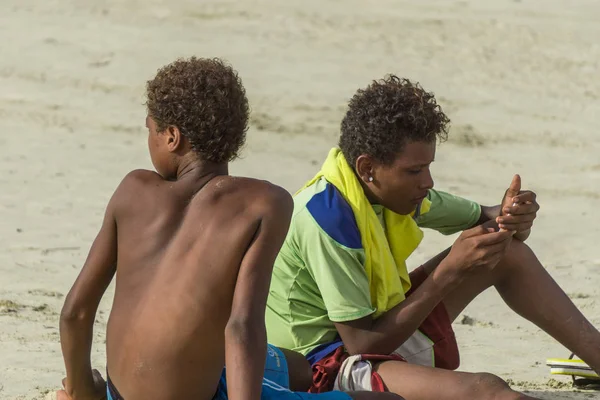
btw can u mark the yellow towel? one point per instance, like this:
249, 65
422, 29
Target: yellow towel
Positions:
386, 250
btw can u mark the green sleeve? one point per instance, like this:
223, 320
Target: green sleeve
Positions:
337, 270
448, 213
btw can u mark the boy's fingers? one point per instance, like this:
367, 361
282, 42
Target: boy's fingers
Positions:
498, 247
515, 219
476, 231
525, 197
521, 209
493, 238
490, 225
517, 227
515, 187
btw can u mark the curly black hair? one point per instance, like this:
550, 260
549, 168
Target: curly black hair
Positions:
206, 101
387, 115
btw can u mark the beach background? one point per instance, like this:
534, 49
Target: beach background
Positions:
518, 78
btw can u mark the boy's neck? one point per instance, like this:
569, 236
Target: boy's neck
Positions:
200, 169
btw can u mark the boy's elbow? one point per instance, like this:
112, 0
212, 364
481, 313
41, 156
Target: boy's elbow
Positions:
355, 347
365, 343
72, 313
244, 329
365, 348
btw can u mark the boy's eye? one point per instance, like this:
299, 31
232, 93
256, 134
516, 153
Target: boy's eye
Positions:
414, 171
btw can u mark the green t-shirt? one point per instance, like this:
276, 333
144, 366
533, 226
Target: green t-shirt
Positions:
319, 275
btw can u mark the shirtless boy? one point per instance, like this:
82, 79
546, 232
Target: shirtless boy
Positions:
193, 250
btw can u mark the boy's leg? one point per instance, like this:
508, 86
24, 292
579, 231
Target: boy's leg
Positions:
410, 381
530, 291
373, 396
301, 378
414, 382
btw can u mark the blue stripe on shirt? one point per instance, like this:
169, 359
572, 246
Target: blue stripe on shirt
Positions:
335, 216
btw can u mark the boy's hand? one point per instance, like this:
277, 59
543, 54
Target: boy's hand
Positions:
518, 209
98, 392
475, 249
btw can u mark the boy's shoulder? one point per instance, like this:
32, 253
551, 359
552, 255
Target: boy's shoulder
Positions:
141, 176
138, 179
262, 196
134, 186
256, 197
260, 193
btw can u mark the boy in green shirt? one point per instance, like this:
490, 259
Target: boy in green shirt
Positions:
331, 297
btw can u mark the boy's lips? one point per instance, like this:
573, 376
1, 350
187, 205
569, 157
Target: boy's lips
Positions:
418, 200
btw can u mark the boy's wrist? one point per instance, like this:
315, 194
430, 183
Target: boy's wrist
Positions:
523, 235
83, 388
92, 393
446, 277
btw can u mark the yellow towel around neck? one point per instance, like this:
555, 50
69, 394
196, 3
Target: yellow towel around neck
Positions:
386, 250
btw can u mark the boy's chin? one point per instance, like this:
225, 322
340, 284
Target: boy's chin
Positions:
406, 210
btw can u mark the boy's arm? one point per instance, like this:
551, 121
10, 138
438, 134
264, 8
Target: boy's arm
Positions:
477, 248
488, 213
79, 311
245, 334
450, 214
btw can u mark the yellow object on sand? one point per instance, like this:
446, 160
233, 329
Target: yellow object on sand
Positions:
573, 367
386, 250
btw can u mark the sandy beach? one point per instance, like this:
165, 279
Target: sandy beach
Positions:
518, 78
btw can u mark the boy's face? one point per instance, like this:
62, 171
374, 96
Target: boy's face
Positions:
161, 157
402, 185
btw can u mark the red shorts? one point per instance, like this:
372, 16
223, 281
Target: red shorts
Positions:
437, 327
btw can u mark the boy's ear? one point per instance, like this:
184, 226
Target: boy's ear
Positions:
174, 138
364, 168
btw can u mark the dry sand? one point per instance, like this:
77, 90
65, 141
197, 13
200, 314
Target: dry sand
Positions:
519, 79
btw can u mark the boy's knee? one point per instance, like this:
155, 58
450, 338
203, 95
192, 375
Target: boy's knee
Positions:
518, 250
518, 255
490, 386
489, 381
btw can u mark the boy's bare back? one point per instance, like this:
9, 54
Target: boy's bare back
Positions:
179, 246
